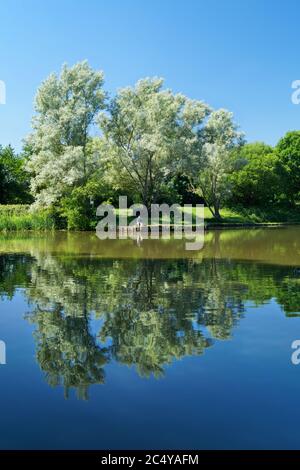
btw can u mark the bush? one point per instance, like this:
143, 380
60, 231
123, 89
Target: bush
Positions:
78, 210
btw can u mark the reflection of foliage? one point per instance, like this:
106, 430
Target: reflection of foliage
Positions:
222, 298
67, 351
289, 296
13, 273
135, 299
150, 339
152, 311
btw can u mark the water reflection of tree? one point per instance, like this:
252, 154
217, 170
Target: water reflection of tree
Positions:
14, 271
143, 323
66, 350
149, 340
152, 311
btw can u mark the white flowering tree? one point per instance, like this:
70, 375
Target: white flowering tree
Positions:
220, 137
60, 155
150, 133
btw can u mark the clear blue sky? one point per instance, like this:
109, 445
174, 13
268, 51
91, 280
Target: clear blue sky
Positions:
238, 54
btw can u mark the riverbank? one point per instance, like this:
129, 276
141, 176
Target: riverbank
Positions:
16, 218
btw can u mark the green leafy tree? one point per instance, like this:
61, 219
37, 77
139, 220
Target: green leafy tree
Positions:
61, 155
14, 182
256, 182
288, 152
150, 133
220, 138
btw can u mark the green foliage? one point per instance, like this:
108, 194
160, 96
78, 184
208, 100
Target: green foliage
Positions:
77, 209
60, 155
221, 137
255, 182
14, 209
20, 218
79, 206
288, 152
14, 181
181, 192
154, 146
150, 133
265, 214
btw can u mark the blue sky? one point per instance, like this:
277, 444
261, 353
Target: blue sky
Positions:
239, 54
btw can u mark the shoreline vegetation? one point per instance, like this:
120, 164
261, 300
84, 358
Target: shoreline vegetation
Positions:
20, 218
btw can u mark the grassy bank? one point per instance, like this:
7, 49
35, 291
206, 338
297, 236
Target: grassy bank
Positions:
255, 215
245, 216
21, 218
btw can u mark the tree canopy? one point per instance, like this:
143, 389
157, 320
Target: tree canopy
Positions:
288, 152
14, 182
256, 181
149, 133
60, 156
145, 142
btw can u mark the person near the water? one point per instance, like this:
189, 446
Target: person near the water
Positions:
139, 222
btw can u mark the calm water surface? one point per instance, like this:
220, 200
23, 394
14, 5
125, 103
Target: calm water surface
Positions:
114, 344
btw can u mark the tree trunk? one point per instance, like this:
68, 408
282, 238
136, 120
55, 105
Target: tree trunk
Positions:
217, 212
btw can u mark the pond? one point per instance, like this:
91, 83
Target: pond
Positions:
117, 344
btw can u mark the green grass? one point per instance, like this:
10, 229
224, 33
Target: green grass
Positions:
242, 215
228, 216
14, 209
254, 215
19, 218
